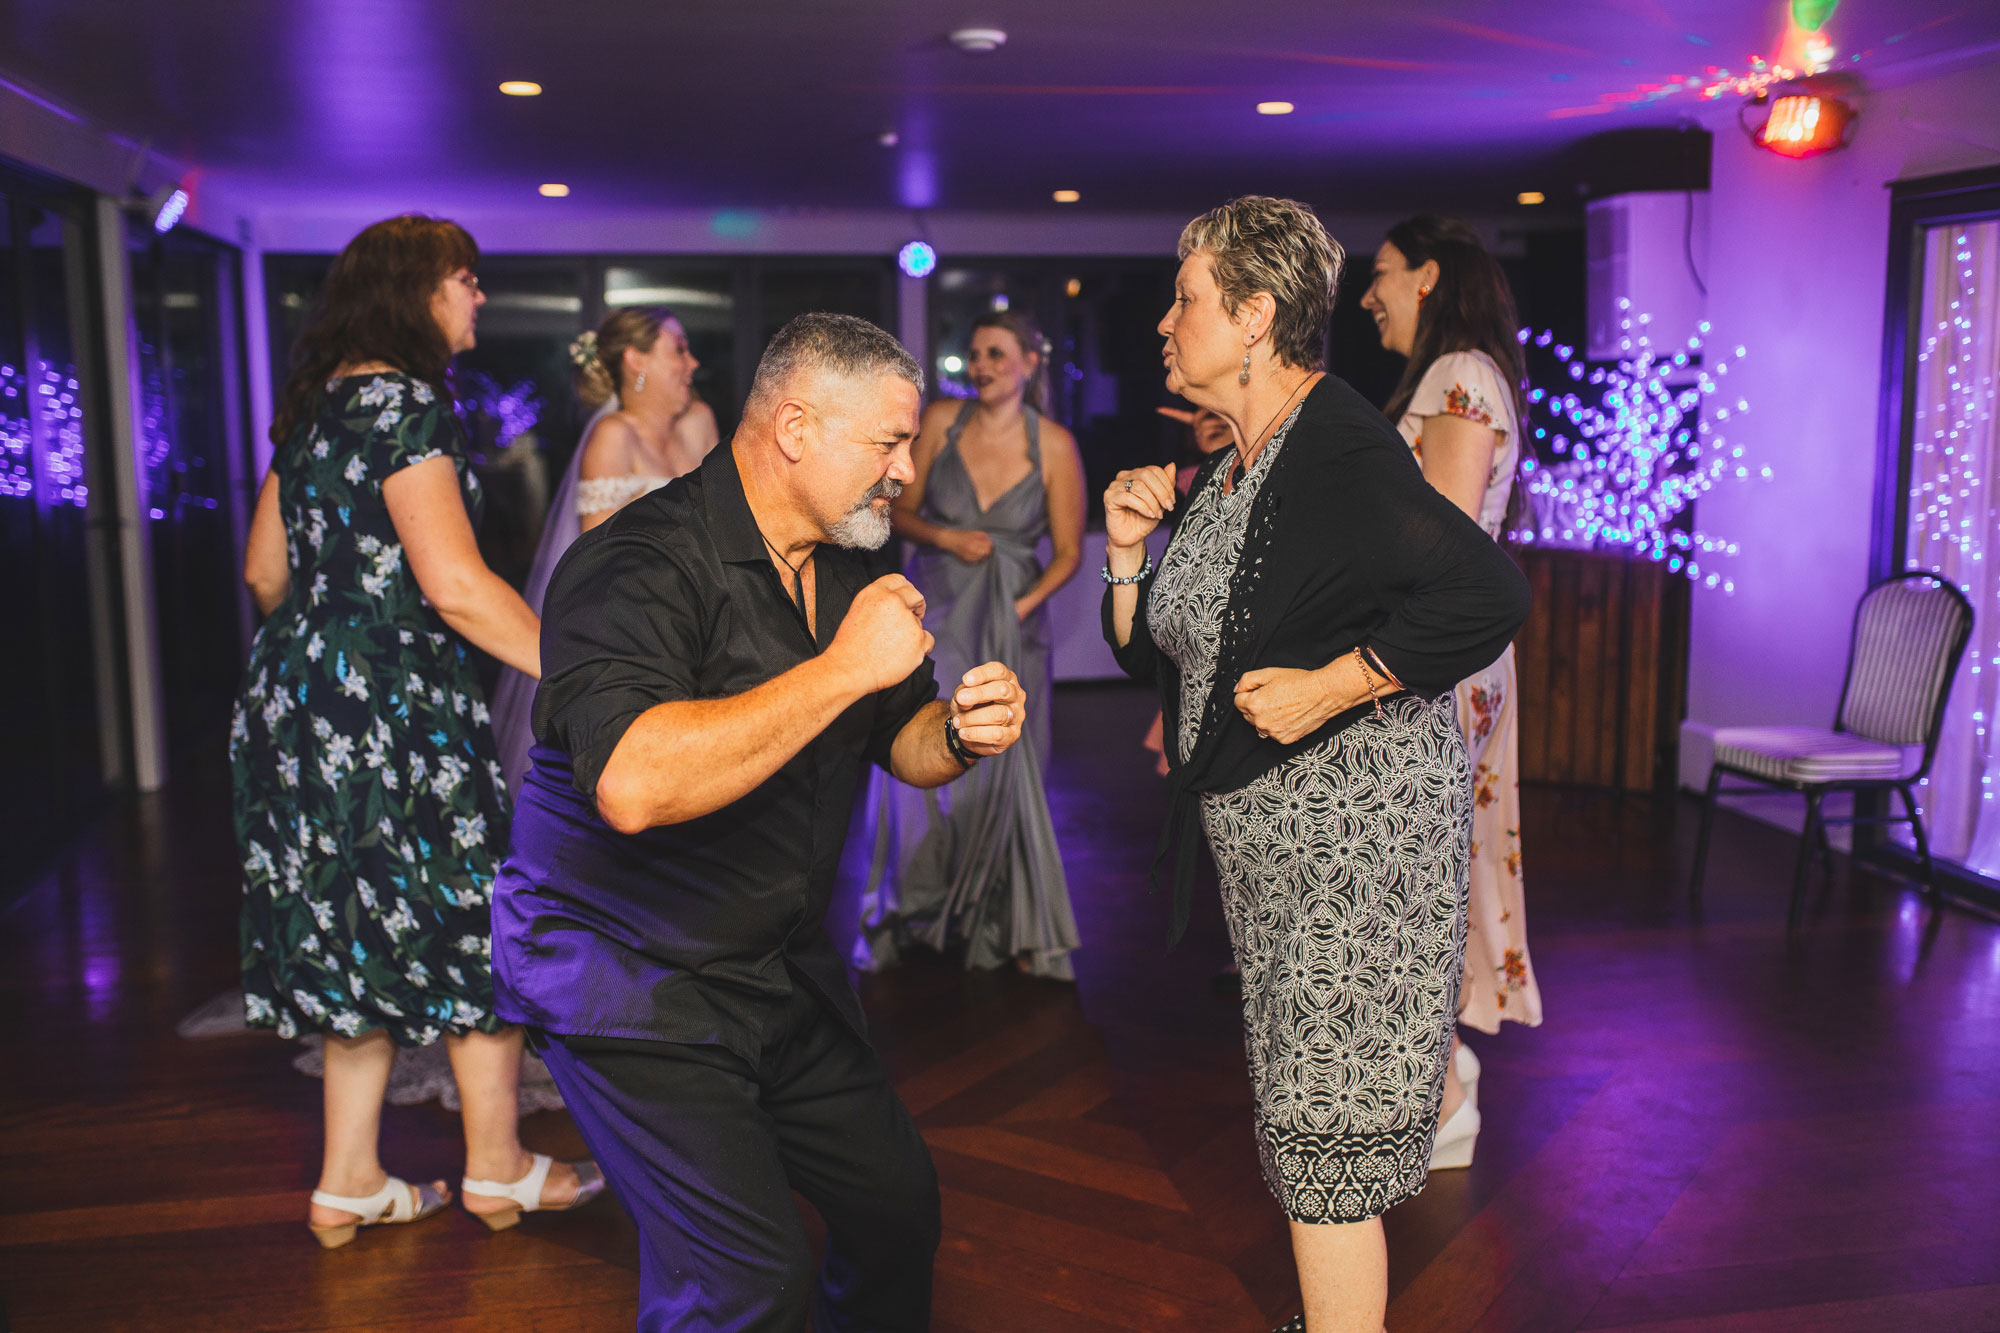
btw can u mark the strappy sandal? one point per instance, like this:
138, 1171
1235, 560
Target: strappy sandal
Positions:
390, 1204
525, 1194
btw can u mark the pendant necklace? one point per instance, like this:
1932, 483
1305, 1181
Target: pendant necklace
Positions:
798, 573
1244, 463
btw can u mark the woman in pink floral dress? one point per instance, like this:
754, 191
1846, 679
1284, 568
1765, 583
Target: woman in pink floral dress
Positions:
1440, 299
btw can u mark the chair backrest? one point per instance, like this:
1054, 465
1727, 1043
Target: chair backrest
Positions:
1909, 634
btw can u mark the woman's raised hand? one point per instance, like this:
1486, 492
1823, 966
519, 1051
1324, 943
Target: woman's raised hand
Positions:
1136, 502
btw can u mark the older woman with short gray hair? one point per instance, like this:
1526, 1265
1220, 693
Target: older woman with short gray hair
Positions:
1317, 604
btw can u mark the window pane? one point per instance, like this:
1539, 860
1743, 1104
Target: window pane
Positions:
515, 392
50, 767
1954, 522
1105, 377
703, 296
786, 292
178, 291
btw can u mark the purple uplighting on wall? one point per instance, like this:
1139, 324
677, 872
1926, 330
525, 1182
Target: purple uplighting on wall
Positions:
373, 78
916, 178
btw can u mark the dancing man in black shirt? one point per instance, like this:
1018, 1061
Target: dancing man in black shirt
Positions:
717, 666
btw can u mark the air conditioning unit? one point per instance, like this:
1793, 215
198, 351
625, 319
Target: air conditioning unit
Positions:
1648, 253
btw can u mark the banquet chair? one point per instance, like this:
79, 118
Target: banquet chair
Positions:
1909, 634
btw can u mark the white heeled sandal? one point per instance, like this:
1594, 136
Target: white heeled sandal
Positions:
1455, 1137
1467, 1065
390, 1204
525, 1194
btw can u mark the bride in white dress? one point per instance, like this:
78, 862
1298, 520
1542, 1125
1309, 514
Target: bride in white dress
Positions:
650, 427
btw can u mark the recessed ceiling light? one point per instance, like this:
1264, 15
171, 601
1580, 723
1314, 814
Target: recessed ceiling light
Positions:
1074, 287
1067, 196
1275, 108
978, 40
1530, 197
888, 138
521, 88
554, 191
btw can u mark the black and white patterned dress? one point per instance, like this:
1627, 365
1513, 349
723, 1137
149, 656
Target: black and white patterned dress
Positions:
1343, 877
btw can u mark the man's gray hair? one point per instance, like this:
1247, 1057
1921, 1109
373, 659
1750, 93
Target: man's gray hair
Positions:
842, 344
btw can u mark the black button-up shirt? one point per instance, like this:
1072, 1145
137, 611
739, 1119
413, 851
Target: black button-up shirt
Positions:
687, 932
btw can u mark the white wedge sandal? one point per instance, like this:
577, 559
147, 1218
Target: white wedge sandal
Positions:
1452, 1148
390, 1204
1455, 1137
1468, 1072
525, 1194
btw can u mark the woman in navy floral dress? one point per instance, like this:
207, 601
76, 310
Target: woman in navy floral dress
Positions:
370, 810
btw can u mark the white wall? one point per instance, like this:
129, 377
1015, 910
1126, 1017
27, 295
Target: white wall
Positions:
1796, 275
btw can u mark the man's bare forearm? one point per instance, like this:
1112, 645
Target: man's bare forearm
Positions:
920, 756
682, 760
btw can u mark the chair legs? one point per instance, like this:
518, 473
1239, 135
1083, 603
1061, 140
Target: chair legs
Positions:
1701, 839
1809, 838
1813, 840
1923, 842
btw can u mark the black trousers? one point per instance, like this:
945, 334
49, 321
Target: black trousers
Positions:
705, 1150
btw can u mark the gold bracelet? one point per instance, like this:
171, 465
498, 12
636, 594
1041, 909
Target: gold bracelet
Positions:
1368, 679
1388, 676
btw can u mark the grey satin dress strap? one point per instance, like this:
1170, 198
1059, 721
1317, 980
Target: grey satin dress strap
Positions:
976, 861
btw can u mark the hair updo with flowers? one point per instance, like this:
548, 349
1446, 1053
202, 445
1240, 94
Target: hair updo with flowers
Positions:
599, 354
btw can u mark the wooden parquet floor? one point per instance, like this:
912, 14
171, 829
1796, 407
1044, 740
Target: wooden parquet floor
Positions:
1717, 1128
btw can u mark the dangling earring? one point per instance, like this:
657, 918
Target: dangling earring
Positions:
640, 387
1243, 375
1423, 293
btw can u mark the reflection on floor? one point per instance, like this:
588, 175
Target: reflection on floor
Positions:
1717, 1128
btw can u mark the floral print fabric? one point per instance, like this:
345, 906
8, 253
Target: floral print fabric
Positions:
1469, 385
1499, 976
369, 806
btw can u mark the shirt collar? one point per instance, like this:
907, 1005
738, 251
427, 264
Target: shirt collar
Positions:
730, 522
733, 527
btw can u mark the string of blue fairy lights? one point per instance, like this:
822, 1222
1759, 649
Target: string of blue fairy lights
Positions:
1620, 463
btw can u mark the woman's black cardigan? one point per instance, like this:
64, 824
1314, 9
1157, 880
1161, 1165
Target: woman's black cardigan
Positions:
1347, 545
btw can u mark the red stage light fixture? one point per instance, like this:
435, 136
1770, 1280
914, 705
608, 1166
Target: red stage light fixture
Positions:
1804, 125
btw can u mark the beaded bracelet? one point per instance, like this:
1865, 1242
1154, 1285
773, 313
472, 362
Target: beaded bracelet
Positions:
1368, 679
1118, 582
955, 743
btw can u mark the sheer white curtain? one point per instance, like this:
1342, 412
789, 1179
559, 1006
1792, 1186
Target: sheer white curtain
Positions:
1955, 522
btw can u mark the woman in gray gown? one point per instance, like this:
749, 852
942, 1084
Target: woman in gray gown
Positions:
977, 863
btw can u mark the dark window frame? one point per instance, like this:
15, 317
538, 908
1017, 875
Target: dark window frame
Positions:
1914, 207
